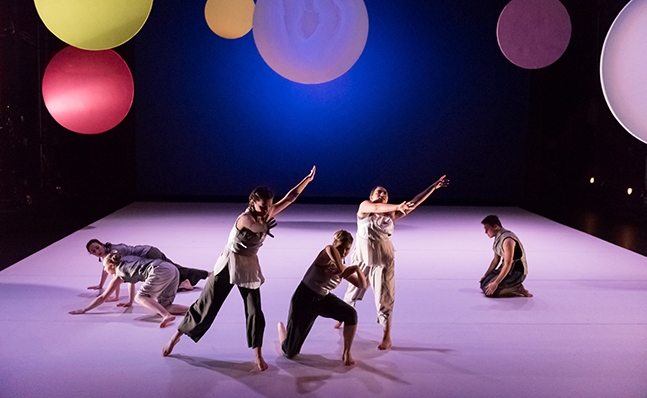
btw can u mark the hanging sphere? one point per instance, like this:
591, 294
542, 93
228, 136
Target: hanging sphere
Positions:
622, 68
310, 41
88, 92
94, 24
230, 19
533, 34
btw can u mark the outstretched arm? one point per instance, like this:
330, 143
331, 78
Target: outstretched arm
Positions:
100, 298
367, 207
422, 196
293, 194
508, 250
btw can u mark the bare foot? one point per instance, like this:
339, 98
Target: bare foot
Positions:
282, 332
338, 325
524, 292
348, 359
260, 363
166, 351
385, 344
167, 320
185, 285
111, 299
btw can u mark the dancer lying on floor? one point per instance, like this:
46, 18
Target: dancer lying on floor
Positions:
313, 298
508, 268
189, 277
238, 265
157, 293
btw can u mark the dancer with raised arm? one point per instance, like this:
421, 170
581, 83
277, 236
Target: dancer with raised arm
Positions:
189, 277
238, 265
157, 293
374, 251
508, 269
313, 298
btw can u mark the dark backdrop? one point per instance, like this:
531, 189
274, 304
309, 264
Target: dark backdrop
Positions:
431, 94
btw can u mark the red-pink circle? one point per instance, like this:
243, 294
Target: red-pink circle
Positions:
88, 92
533, 34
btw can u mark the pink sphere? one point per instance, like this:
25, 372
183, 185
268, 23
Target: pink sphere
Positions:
88, 92
533, 34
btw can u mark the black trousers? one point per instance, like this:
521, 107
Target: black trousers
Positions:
193, 275
515, 277
203, 312
305, 307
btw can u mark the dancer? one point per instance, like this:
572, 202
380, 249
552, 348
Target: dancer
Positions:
374, 252
160, 282
238, 265
313, 298
189, 277
504, 278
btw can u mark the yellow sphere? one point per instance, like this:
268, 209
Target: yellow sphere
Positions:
94, 24
230, 19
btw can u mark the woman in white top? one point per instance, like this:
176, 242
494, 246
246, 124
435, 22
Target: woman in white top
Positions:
238, 265
374, 252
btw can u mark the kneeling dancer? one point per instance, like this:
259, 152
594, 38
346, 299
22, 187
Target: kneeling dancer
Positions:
313, 298
508, 268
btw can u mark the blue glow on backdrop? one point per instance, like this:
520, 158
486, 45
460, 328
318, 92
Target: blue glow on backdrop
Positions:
431, 94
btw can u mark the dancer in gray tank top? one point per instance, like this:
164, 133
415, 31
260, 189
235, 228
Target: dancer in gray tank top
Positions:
238, 265
313, 298
189, 277
508, 269
160, 280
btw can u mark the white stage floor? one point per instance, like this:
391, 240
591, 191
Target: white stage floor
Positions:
583, 334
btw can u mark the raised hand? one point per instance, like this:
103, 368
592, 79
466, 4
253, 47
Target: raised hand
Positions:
311, 175
405, 207
442, 182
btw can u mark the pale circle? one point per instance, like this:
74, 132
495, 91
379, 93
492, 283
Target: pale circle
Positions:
94, 24
230, 19
533, 34
310, 41
88, 92
623, 67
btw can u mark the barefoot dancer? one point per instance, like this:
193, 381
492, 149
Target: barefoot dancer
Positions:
160, 282
374, 252
504, 278
189, 277
313, 298
238, 265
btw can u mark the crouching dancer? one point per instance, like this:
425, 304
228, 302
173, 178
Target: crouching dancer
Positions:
160, 279
313, 298
508, 269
